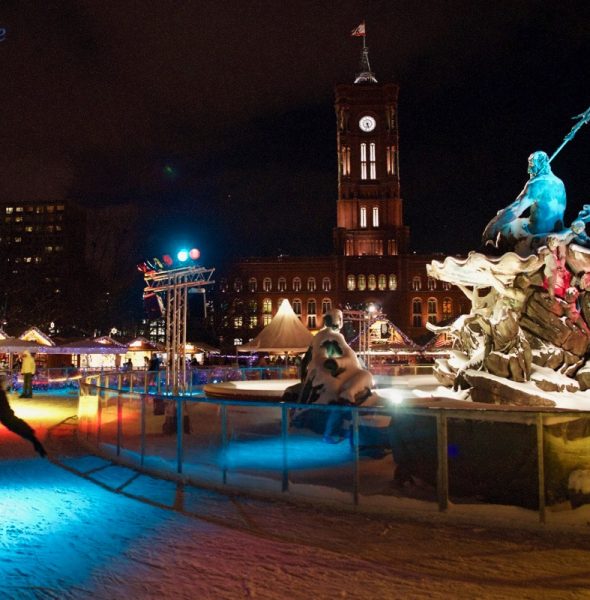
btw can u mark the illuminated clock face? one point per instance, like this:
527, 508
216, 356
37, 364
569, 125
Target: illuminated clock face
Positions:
367, 123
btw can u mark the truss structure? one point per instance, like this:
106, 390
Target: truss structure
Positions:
172, 286
363, 320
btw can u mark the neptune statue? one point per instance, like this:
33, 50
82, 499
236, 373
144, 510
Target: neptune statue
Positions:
545, 199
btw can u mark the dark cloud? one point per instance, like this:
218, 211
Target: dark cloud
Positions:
99, 98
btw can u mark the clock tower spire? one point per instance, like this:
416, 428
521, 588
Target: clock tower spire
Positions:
369, 207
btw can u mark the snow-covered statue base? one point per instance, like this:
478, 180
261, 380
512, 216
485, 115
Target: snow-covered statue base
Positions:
528, 327
331, 373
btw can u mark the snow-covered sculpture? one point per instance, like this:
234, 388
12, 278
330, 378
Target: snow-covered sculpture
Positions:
544, 197
334, 373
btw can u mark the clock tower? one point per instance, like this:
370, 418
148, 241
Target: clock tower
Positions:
369, 208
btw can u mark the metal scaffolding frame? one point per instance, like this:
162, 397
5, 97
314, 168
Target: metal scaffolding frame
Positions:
173, 285
364, 319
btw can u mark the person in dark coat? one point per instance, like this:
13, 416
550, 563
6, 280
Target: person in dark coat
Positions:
15, 424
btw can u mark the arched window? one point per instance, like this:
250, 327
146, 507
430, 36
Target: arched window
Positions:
362, 283
267, 284
238, 320
326, 305
372, 282
282, 284
252, 284
431, 283
296, 284
311, 307
237, 284
416, 283
297, 306
392, 282
372, 161
351, 283
252, 321
382, 282
363, 220
311, 284
447, 308
375, 216
416, 312
363, 161
446, 285
326, 284
267, 306
252, 306
432, 310
266, 319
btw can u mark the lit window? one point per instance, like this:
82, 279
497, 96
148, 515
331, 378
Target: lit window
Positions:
382, 282
363, 216
432, 310
311, 284
391, 247
392, 282
372, 282
417, 312
9, 210
237, 322
29, 229
18, 219
446, 285
252, 284
18, 240
237, 341
447, 308
311, 307
362, 283
19, 209
431, 283
416, 283
252, 306
346, 161
266, 319
297, 306
372, 155
282, 284
28, 259
267, 306
391, 160
296, 284
267, 284
50, 208
326, 305
363, 161
375, 216
351, 283
326, 284
252, 321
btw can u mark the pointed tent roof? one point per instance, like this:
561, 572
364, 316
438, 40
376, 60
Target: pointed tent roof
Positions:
285, 333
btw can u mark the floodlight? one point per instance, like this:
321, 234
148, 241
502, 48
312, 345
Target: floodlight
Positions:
182, 255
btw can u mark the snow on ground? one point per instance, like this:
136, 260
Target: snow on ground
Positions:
66, 536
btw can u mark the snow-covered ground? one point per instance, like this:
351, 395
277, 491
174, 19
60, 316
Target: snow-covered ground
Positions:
114, 533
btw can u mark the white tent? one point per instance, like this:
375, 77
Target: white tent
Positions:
285, 333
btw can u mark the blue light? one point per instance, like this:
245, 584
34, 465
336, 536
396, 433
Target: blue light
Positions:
182, 255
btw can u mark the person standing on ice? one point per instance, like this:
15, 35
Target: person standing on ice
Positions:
27, 370
15, 424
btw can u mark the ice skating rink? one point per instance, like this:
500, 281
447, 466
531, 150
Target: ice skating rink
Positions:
79, 527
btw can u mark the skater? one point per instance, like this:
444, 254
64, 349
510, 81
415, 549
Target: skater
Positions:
27, 370
13, 423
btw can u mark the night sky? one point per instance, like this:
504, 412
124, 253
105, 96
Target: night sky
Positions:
217, 116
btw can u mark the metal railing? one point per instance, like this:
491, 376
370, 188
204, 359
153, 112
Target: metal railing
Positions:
127, 423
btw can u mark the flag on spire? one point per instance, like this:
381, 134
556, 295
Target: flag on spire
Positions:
359, 31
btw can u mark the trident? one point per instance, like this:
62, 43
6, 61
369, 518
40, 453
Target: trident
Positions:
583, 119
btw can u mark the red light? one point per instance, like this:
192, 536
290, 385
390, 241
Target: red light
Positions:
167, 260
194, 254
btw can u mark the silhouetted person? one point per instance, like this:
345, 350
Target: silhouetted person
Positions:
27, 370
17, 425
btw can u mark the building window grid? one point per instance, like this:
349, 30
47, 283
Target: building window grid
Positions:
326, 284
296, 284
267, 284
